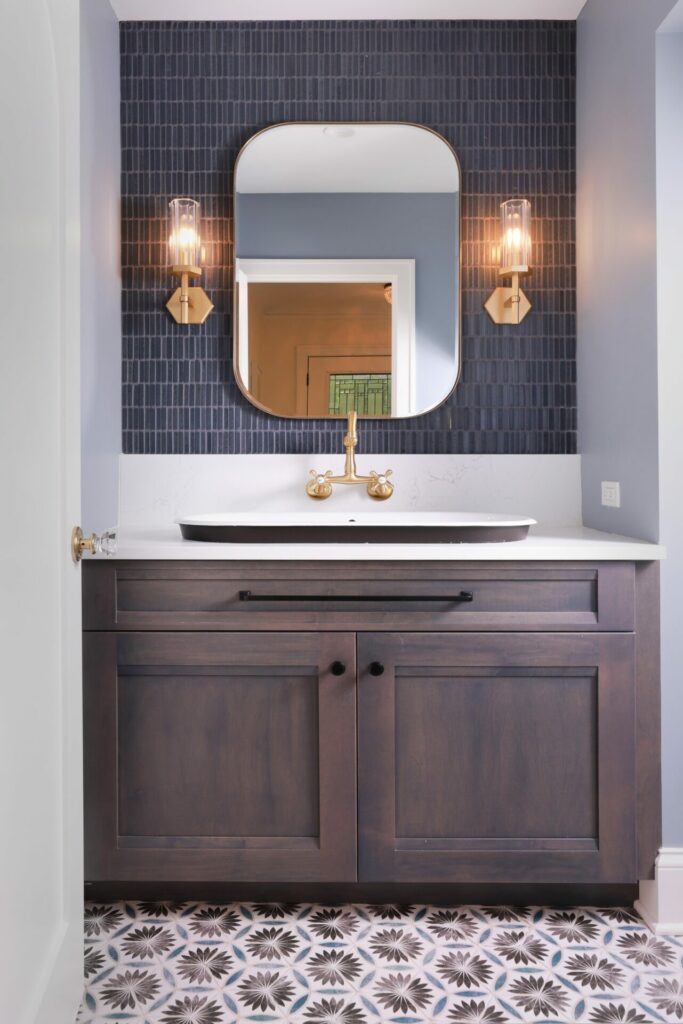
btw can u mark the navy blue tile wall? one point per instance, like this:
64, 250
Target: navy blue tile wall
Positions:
502, 93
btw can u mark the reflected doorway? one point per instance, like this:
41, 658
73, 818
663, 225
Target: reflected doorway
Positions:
292, 369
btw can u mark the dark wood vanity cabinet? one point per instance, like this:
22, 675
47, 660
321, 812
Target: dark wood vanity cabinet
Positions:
496, 758
351, 722
220, 756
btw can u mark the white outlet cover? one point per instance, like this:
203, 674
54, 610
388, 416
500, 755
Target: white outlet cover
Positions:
611, 494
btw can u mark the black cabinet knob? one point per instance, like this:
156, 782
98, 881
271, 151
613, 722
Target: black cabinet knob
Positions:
338, 668
376, 668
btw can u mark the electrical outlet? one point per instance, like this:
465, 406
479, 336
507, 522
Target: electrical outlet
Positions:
611, 494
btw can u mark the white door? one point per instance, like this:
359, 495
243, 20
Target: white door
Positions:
41, 945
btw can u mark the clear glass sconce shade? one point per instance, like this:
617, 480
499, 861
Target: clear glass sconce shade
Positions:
183, 242
515, 236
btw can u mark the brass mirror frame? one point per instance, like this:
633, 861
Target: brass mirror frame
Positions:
235, 291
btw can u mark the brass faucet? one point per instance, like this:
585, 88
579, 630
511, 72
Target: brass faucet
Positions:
377, 484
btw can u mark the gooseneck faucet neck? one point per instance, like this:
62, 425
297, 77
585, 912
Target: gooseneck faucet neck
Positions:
350, 443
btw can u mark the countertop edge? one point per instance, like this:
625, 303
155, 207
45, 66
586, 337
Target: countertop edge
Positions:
571, 544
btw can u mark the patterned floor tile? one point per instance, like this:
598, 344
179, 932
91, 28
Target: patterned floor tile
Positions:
200, 963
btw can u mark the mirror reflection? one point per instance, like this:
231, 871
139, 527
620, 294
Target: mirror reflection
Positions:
346, 270
350, 369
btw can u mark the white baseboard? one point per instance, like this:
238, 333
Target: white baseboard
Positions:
661, 901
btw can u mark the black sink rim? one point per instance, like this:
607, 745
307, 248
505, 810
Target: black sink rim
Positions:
230, 533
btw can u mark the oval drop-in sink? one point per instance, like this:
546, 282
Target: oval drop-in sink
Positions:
352, 528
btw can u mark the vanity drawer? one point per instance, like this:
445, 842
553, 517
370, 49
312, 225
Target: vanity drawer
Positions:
359, 596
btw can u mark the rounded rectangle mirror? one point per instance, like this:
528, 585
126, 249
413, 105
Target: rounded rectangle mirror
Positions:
347, 269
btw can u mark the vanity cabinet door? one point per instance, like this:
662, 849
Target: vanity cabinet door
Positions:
496, 758
220, 757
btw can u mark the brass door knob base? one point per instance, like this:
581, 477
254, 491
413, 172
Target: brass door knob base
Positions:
104, 545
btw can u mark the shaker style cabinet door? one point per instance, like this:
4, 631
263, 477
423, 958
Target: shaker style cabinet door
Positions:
220, 756
497, 758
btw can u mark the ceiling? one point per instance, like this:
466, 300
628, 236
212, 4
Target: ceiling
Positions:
674, 21
346, 300
331, 10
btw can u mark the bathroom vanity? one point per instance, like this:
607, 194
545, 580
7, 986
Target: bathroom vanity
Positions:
355, 722
378, 719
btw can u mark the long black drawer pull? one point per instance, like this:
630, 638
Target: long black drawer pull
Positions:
463, 596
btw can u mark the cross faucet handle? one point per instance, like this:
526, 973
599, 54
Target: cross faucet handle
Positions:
379, 487
319, 485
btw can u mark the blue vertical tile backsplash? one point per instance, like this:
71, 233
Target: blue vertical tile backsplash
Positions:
501, 92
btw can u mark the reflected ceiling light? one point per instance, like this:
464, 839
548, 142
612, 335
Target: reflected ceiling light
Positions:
186, 305
339, 131
510, 305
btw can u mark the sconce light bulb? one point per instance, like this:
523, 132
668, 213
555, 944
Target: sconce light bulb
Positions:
185, 243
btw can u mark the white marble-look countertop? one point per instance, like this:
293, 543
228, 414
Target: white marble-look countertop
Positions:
550, 544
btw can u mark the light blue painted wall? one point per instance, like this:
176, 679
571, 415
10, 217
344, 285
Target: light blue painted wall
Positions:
616, 261
670, 351
629, 406
419, 226
100, 261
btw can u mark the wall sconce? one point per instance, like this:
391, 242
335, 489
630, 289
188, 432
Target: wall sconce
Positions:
186, 305
510, 305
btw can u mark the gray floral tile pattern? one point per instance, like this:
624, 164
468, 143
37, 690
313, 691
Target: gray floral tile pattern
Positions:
201, 963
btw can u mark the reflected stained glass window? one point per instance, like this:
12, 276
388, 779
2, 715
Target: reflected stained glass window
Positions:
368, 394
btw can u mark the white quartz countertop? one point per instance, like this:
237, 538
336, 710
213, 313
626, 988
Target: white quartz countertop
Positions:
555, 544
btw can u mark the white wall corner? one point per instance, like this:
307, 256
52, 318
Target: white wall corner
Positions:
660, 903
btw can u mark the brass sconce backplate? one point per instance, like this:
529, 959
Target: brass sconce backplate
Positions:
199, 306
507, 305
